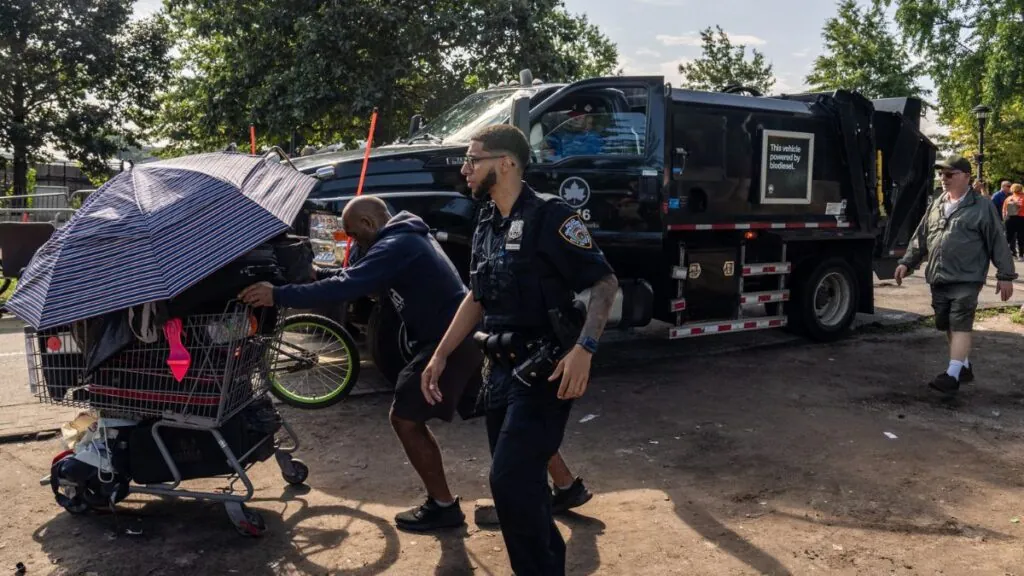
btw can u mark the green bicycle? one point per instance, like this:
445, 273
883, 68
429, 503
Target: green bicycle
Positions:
316, 364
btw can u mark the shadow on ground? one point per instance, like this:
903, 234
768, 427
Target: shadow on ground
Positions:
789, 437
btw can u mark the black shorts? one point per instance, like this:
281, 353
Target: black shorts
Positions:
461, 375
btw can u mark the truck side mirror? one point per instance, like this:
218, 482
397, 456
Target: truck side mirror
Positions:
521, 113
415, 124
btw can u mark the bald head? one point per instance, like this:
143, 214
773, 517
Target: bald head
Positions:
363, 218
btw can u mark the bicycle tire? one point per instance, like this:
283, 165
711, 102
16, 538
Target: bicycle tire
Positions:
338, 334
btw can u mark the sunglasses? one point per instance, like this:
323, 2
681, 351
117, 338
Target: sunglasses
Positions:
949, 173
472, 161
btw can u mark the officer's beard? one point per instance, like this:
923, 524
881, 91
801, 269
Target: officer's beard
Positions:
483, 191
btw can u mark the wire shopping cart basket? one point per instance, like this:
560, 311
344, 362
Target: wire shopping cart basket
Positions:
184, 402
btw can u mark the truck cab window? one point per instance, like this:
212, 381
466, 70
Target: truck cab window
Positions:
599, 122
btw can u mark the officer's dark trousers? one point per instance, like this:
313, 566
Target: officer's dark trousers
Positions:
521, 444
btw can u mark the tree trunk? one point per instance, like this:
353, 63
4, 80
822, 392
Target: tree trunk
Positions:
20, 176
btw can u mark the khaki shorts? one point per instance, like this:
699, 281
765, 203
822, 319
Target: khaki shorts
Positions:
955, 305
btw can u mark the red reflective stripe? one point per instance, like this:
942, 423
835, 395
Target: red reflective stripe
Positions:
758, 225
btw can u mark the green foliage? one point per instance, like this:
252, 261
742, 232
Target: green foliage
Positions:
722, 64
861, 54
972, 50
6, 294
72, 74
311, 71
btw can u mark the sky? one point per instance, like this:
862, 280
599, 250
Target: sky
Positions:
655, 36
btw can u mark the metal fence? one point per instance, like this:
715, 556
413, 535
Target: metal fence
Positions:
51, 204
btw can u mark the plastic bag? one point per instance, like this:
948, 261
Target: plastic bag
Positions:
105, 336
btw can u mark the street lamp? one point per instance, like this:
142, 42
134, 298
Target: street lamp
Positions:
981, 112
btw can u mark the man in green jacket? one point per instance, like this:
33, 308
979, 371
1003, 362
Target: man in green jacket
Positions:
959, 235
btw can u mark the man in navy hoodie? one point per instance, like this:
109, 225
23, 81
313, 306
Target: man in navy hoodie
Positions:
403, 262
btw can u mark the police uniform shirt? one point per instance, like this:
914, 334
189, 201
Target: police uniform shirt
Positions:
516, 261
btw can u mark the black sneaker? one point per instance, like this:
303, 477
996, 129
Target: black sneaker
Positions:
572, 497
945, 383
431, 516
966, 375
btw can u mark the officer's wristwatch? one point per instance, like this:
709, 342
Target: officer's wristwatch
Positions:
588, 343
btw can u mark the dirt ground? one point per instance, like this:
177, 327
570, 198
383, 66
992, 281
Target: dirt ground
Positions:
772, 461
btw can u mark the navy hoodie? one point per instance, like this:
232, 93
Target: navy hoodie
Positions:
406, 265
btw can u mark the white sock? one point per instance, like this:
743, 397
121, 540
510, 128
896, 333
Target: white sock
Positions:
566, 487
954, 369
967, 363
443, 504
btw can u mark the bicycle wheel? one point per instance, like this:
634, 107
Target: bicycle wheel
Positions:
315, 365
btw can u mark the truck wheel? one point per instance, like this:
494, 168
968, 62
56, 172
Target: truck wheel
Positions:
824, 302
387, 341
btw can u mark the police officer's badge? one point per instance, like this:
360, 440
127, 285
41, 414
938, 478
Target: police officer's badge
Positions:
515, 230
575, 232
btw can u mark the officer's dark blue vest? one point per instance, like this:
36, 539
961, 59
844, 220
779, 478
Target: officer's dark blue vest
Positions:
516, 286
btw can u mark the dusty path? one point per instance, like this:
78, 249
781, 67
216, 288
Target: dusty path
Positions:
771, 461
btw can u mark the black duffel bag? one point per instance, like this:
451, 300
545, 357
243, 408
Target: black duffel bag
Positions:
196, 453
211, 294
294, 255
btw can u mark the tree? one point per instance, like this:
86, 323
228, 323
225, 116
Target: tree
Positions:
72, 76
721, 64
863, 55
312, 71
973, 55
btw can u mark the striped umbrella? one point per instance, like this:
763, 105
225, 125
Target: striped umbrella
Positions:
155, 230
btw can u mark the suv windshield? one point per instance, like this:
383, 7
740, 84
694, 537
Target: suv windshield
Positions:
475, 111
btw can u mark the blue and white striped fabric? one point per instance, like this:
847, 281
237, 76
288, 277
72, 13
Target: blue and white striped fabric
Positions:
155, 230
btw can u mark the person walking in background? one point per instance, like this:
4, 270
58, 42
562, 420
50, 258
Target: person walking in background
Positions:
959, 235
981, 187
1013, 216
1000, 196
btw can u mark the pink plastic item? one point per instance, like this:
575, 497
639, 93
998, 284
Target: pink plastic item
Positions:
179, 359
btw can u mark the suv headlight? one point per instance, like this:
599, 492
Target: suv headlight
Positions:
328, 238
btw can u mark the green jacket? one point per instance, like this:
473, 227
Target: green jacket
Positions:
960, 247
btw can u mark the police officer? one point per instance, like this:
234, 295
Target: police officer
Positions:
531, 252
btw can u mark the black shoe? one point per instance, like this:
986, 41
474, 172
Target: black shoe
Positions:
945, 383
431, 516
572, 497
966, 375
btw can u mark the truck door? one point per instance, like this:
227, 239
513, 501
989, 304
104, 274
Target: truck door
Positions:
599, 145
906, 171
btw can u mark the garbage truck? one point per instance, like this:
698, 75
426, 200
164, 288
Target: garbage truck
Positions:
720, 212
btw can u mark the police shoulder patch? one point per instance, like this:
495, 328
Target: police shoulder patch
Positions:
575, 232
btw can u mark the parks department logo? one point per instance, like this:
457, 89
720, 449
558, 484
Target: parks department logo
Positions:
575, 191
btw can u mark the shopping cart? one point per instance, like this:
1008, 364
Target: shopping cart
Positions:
185, 402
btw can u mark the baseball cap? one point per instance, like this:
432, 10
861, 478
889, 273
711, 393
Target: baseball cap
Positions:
954, 162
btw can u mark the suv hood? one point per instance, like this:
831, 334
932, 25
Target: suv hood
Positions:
347, 161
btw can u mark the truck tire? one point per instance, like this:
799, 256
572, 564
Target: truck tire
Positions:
824, 302
386, 340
